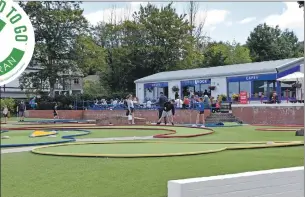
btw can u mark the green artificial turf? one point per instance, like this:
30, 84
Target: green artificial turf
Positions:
136, 148
244, 133
22, 137
108, 133
27, 174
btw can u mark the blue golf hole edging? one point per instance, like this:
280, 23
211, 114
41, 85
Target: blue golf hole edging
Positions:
66, 138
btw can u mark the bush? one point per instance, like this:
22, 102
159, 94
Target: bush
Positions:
10, 103
222, 97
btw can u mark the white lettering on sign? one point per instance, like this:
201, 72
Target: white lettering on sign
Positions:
201, 81
252, 77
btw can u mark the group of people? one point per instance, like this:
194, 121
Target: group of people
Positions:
21, 107
167, 110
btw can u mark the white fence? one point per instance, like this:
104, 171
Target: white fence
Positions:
286, 182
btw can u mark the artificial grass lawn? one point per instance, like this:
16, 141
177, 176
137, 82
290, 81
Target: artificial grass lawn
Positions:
233, 134
129, 132
104, 133
22, 137
28, 175
136, 148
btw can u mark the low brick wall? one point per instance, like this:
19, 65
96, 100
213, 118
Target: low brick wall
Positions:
270, 114
181, 116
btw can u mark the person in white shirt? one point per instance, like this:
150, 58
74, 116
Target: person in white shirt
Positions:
179, 102
5, 113
130, 106
148, 104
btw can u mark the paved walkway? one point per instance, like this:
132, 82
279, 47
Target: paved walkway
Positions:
16, 150
114, 139
25, 149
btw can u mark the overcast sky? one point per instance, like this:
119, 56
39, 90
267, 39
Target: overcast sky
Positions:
224, 21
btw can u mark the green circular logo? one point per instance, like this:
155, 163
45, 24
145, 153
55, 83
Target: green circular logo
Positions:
17, 40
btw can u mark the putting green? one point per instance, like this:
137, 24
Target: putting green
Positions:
130, 149
279, 129
121, 132
22, 137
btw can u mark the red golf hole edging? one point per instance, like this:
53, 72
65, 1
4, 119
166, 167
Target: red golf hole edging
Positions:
185, 136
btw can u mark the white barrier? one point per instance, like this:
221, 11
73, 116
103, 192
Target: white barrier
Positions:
286, 182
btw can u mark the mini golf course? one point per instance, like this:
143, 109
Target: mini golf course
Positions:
19, 138
174, 153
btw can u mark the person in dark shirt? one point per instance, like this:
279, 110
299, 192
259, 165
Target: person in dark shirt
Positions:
273, 98
55, 112
205, 93
162, 100
168, 112
21, 110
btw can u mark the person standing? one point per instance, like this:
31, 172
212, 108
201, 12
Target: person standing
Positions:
148, 104
17, 112
55, 113
21, 109
5, 113
130, 107
162, 100
179, 102
168, 112
200, 110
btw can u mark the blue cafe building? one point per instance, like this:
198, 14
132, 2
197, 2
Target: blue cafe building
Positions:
258, 79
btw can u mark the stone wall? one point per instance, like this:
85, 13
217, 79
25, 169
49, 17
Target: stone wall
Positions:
181, 116
270, 114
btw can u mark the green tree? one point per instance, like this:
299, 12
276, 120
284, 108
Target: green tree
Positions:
94, 89
220, 53
90, 57
269, 43
9, 102
57, 26
167, 39
156, 40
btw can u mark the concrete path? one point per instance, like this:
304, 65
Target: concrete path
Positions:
16, 150
25, 149
114, 139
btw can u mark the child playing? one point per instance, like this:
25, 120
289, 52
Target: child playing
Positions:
200, 109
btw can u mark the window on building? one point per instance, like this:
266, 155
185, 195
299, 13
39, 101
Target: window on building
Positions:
204, 87
233, 88
263, 88
245, 86
76, 81
287, 89
197, 89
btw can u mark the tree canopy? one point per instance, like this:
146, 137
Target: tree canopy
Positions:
153, 40
271, 43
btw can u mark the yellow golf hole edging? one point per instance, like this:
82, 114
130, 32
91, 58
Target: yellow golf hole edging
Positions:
256, 145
